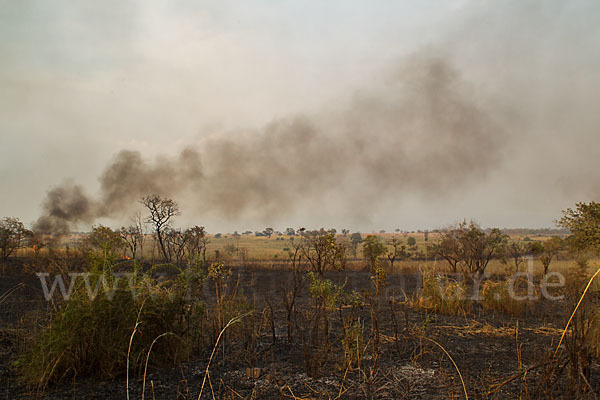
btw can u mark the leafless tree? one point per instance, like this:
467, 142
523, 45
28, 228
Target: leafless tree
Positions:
133, 236
161, 214
175, 243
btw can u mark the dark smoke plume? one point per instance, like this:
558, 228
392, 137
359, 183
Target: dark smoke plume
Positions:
63, 206
422, 130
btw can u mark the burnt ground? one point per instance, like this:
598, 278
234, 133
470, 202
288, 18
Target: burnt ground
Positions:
489, 349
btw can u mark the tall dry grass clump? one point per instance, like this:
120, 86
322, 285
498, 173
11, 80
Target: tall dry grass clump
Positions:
498, 297
441, 294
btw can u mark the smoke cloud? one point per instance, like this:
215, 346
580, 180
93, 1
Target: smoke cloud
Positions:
406, 115
422, 129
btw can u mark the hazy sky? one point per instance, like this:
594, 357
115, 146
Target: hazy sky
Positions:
81, 81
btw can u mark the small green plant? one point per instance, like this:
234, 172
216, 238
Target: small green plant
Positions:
220, 275
314, 330
379, 278
353, 343
324, 290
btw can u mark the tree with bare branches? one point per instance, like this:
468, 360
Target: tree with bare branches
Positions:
133, 236
175, 244
161, 213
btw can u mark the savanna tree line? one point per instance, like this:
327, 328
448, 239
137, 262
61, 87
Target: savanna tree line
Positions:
464, 247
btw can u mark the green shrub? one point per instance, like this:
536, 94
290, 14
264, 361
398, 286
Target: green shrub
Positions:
90, 335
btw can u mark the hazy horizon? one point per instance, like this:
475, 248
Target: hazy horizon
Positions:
346, 114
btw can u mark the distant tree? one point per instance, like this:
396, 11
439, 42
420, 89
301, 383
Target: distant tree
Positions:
515, 252
479, 247
535, 248
106, 240
426, 236
470, 247
345, 232
13, 236
218, 235
268, 232
372, 250
133, 236
551, 248
398, 252
321, 251
176, 244
397, 230
161, 213
196, 243
449, 248
355, 240
411, 241
290, 232
382, 231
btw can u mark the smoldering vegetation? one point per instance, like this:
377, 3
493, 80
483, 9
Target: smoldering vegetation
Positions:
422, 128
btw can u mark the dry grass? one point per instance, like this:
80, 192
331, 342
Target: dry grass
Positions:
443, 295
495, 296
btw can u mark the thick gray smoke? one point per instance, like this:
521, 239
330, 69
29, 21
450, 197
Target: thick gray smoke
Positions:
422, 130
64, 206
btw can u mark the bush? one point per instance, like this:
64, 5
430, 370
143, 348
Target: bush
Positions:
444, 295
496, 297
90, 335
